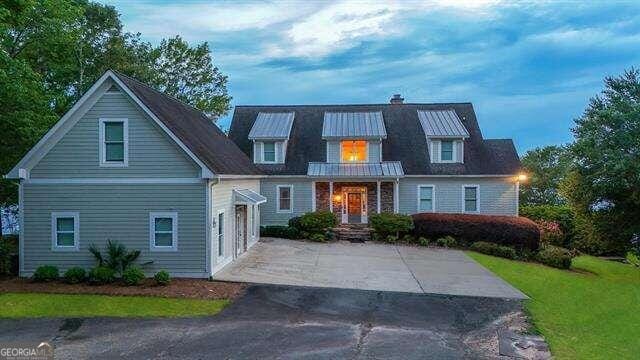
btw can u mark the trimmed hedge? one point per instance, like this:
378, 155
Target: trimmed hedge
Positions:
514, 231
556, 257
46, 273
317, 222
493, 249
279, 231
385, 224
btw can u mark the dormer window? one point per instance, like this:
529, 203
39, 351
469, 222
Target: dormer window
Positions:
445, 134
446, 150
269, 152
353, 151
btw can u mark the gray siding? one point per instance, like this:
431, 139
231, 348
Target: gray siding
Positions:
151, 152
301, 200
498, 196
117, 212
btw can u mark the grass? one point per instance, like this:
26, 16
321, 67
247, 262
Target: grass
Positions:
592, 312
31, 305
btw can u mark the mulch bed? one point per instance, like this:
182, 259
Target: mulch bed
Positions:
178, 288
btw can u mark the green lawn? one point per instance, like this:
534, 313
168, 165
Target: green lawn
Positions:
592, 312
30, 305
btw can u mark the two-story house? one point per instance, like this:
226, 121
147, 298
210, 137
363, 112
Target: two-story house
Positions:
131, 164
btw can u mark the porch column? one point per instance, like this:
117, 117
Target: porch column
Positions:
396, 196
313, 196
378, 196
331, 196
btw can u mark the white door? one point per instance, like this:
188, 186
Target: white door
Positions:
241, 226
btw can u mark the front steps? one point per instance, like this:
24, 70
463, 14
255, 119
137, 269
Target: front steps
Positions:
352, 232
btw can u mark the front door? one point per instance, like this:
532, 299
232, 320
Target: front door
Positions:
241, 227
354, 208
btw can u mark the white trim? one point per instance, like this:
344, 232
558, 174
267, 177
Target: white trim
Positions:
21, 224
453, 152
278, 209
54, 230
433, 197
380, 177
313, 196
224, 237
518, 198
396, 196
103, 149
477, 198
109, 181
208, 225
58, 131
331, 197
459, 176
174, 230
225, 262
366, 151
241, 176
378, 206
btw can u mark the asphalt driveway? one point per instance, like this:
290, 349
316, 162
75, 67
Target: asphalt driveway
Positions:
369, 266
285, 322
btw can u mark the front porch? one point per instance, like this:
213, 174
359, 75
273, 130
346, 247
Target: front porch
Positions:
353, 201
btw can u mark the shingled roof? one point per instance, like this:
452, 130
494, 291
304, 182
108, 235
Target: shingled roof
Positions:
203, 138
405, 139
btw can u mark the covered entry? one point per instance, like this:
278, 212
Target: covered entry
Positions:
247, 219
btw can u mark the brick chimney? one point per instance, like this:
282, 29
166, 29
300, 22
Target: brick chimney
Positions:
396, 99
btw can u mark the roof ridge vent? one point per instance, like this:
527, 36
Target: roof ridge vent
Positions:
396, 99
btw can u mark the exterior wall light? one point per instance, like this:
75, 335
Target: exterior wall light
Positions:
337, 198
522, 177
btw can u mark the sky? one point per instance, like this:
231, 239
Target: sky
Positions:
529, 68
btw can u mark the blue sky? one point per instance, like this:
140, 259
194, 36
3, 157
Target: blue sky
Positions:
528, 68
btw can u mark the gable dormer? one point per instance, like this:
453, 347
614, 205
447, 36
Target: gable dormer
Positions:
354, 137
445, 134
270, 135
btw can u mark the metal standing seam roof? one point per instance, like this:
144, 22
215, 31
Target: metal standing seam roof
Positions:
383, 169
272, 126
250, 196
442, 123
353, 125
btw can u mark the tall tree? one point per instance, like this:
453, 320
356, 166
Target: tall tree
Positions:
188, 74
546, 167
604, 187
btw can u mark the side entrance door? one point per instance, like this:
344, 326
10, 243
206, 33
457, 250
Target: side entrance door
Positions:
241, 229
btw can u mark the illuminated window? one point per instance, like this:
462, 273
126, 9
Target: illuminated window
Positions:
354, 151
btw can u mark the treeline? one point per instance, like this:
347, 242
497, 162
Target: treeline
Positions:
51, 52
591, 187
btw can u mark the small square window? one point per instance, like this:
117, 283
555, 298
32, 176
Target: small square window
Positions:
269, 152
65, 231
446, 150
284, 198
163, 229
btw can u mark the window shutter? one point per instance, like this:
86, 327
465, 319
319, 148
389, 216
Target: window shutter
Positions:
257, 152
459, 151
278, 151
435, 153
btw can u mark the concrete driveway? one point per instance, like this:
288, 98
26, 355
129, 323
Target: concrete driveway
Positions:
369, 266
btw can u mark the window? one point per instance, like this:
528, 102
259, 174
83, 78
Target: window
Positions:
285, 198
425, 198
220, 233
446, 150
163, 230
114, 142
353, 151
254, 216
65, 230
470, 198
269, 152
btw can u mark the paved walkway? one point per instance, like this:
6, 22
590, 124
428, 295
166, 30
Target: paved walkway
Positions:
369, 266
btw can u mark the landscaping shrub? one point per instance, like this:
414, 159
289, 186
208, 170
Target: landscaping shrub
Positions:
317, 237
101, 275
390, 224
46, 273
513, 231
118, 258
423, 241
555, 256
391, 239
633, 259
6, 254
133, 276
162, 278
561, 214
408, 239
317, 222
280, 231
550, 233
74, 275
494, 249
447, 241
294, 222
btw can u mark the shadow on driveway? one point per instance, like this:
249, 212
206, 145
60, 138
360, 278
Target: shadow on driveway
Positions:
272, 321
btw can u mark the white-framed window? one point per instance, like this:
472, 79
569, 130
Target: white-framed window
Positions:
65, 231
269, 152
114, 142
254, 222
285, 198
426, 198
447, 151
163, 231
470, 198
220, 225
354, 151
